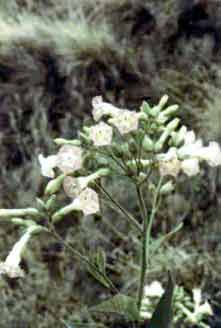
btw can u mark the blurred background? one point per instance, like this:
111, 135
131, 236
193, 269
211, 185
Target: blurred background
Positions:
55, 55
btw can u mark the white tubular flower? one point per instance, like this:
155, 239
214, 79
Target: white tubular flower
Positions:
155, 289
169, 163
126, 121
101, 108
190, 166
11, 266
87, 202
205, 309
69, 159
212, 154
101, 134
47, 165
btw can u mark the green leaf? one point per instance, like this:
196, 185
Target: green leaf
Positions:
120, 304
97, 267
162, 316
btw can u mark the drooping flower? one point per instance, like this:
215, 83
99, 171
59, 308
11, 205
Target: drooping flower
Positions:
101, 134
69, 159
126, 121
101, 108
190, 166
10, 266
47, 165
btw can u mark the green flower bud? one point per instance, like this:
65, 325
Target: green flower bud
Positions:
172, 125
167, 188
61, 141
22, 222
145, 108
19, 212
40, 203
163, 101
54, 185
51, 202
148, 144
159, 144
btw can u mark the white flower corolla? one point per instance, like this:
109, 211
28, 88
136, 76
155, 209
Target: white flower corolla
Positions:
69, 159
101, 108
87, 202
200, 309
101, 134
47, 165
169, 164
10, 266
189, 149
190, 166
126, 121
212, 154
155, 289
73, 186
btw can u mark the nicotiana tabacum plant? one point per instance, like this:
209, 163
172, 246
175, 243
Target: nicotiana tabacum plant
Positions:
149, 148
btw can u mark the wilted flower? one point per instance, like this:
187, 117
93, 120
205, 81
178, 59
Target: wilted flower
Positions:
47, 165
101, 134
155, 289
101, 108
11, 266
69, 159
190, 166
126, 121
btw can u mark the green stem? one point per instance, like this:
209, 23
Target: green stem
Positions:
146, 234
127, 215
144, 246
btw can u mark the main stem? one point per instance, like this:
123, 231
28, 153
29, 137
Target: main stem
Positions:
144, 246
146, 235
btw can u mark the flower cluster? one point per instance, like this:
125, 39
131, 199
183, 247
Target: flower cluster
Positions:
150, 138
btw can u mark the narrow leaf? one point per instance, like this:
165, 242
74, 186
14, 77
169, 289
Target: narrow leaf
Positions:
162, 316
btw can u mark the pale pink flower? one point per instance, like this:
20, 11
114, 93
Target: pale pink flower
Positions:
101, 108
10, 266
87, 202
190, 166
126, 121
101, 134
69, 159
47, 165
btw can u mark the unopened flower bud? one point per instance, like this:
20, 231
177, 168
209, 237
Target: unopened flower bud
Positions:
145, 108
54, 185
167, 188
61, 141
51, 202
19, 212
148, 144
172, 125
